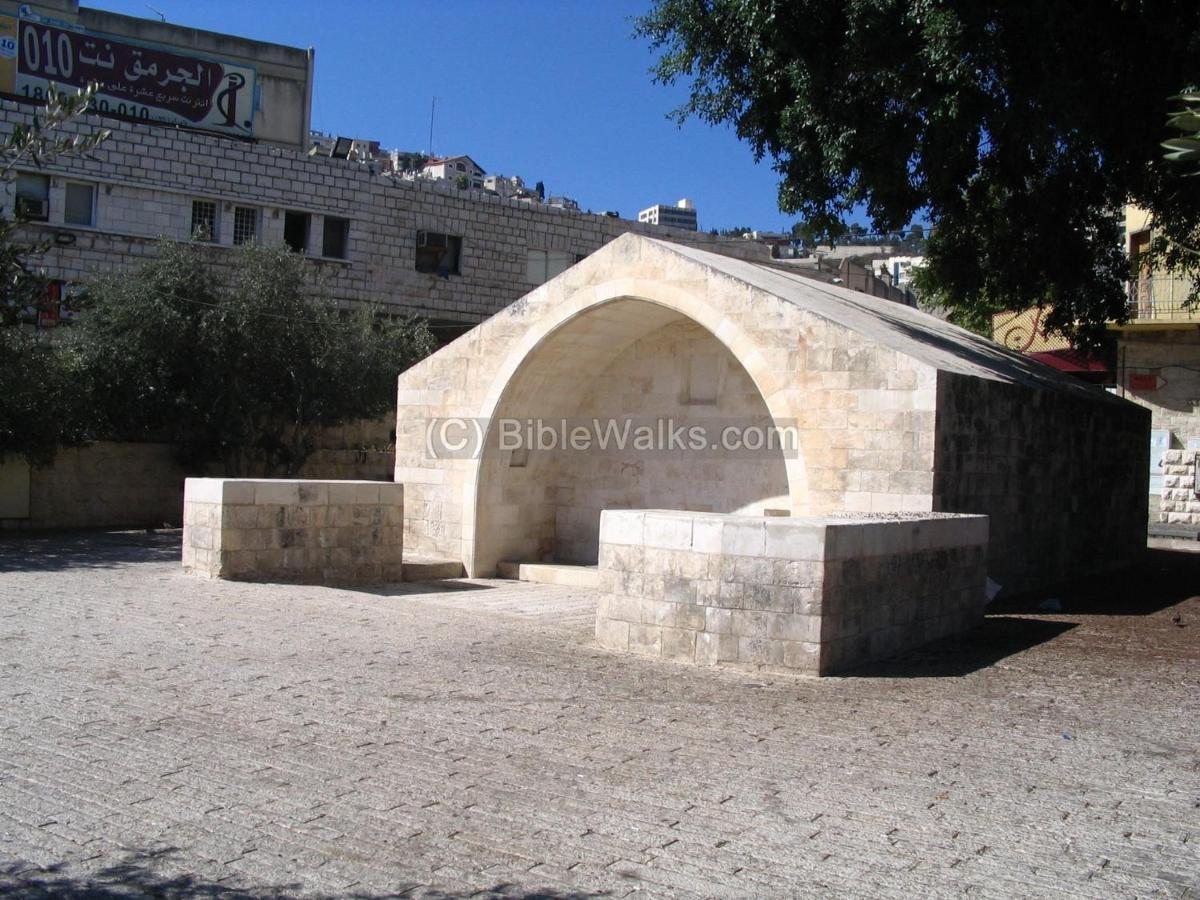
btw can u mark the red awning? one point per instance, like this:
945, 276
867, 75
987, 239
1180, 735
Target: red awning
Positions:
1069, 361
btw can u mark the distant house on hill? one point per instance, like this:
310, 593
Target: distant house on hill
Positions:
452, 167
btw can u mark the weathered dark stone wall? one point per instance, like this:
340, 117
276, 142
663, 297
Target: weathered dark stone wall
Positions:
1062, 474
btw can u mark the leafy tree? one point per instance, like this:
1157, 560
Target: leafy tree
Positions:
1020, 130
813, 234
242, 373
1178, 247
41, 407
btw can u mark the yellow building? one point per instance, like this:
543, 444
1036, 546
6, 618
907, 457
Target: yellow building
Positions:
1158, 353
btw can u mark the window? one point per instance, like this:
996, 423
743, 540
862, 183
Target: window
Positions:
336, 237
33, 197
245, 224
80, 204
703, 384
438, 253
460, 167
295, 230
204, 220
542, 265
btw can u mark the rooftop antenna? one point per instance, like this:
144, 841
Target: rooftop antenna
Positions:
432, 110
156, 12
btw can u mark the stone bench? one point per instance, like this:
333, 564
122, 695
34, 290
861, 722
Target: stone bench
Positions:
340, 532
811, 595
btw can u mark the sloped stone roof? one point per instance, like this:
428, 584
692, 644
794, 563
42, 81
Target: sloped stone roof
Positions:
914, 333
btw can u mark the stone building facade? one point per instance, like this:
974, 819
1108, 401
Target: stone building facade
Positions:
879, 408
1158, 357
412, 247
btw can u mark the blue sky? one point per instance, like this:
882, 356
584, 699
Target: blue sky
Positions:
552, 90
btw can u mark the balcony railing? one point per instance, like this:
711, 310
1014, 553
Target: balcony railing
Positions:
1161, 298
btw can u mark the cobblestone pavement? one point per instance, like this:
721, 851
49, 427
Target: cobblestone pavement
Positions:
169, 736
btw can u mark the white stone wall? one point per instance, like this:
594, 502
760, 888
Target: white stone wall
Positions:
1180, 501
147, 177
292, 530
809, 595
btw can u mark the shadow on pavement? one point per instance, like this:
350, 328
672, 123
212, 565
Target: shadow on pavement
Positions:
1162, 580
138, 875
998, 637
54, 551
442, 585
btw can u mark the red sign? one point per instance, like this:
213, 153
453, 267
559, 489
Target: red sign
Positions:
1140, 382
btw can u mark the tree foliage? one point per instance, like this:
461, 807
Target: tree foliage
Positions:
241, 371
40, 405
1019, 130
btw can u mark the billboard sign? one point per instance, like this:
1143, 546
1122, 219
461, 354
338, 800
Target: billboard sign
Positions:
142, 81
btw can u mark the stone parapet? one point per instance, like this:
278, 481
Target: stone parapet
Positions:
342, 532
1180, 501
808, 595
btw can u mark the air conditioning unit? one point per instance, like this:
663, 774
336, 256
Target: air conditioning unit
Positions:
32, 208
431, 239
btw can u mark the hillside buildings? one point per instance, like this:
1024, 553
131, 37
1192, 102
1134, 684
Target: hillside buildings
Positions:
455, 168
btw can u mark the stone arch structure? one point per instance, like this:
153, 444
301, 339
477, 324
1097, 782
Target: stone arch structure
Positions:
613, 367
586, 318
893, 410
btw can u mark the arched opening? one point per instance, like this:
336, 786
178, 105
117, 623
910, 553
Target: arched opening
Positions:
627, 405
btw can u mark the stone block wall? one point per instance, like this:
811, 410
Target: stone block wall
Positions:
340, 532
147, 177
105, 484
1180, 500
111, 484
807, 595
1062, 475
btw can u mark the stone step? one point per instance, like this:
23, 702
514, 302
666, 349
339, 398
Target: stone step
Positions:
551, 573
1164, 530
421, 569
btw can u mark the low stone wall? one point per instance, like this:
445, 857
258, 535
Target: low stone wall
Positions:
105, 484
341, 532
1180, 503
809, 595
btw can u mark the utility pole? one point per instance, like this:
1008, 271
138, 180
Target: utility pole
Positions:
432, 110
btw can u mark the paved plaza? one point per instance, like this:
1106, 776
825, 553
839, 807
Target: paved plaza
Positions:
168, 736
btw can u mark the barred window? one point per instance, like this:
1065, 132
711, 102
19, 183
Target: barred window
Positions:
204, 220
245, 224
